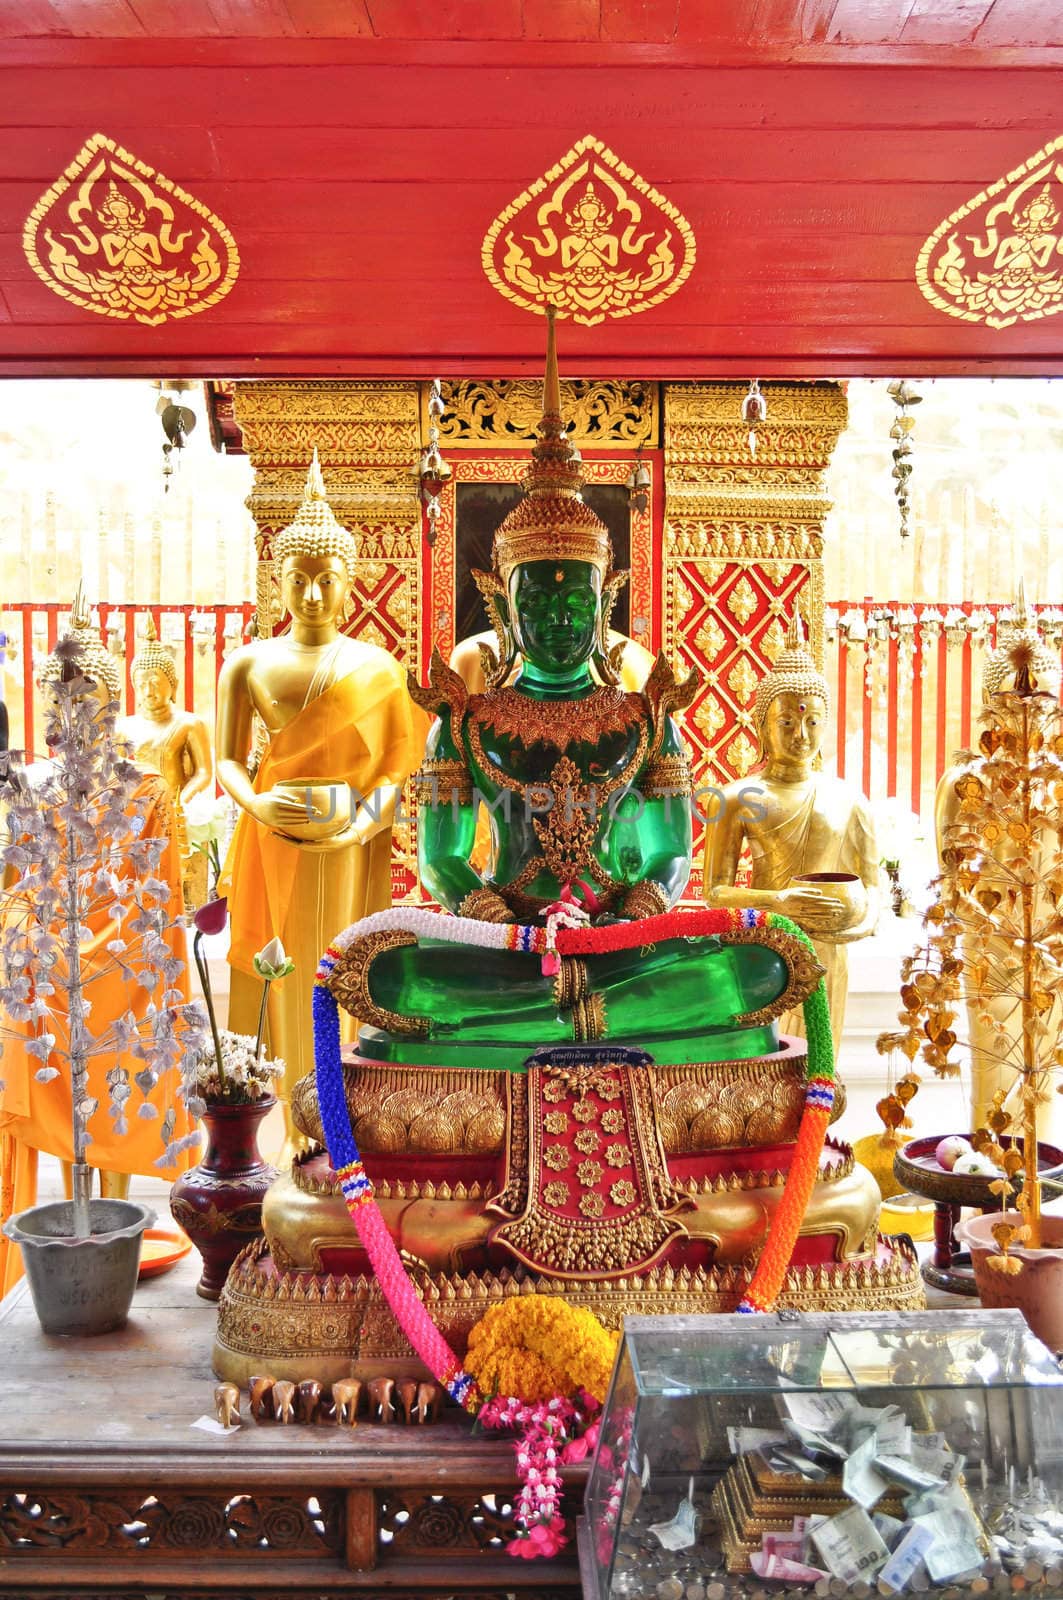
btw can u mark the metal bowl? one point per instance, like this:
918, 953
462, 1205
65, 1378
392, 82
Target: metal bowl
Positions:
917, 1169
325, 807
843, 886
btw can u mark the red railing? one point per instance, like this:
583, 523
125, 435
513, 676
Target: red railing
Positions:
199, 637
905, 678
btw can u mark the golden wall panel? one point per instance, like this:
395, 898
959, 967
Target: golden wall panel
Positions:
367, 436
743, 544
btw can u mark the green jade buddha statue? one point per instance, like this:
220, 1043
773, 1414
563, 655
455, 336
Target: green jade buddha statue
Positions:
509, 1151
589, 797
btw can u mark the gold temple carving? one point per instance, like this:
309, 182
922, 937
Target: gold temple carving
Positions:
115, 236
743, 540
505, 413
997, 259
367, 435
591, 238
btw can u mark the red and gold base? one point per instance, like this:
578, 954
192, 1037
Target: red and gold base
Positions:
624, 1188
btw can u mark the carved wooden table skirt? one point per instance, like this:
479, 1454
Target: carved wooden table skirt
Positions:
106, 1488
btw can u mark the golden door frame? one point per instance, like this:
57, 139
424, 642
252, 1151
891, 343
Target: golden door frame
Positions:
439, 578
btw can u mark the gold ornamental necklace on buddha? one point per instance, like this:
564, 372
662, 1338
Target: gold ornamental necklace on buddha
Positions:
607, 709
567, 833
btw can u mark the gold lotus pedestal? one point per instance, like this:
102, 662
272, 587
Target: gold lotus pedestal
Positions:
494, 1184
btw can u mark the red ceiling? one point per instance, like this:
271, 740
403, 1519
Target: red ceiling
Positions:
812, 145
755, 23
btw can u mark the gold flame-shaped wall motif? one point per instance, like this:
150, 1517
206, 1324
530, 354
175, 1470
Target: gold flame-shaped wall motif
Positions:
601, 242
116, 237
999, 258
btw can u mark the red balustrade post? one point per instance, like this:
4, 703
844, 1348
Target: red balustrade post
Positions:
917, 718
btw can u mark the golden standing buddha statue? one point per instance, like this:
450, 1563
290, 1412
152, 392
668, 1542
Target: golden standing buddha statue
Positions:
312, 847
992, 1067
174, 743
811, 837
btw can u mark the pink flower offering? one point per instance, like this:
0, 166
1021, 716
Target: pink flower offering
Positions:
545, 1539
212, 917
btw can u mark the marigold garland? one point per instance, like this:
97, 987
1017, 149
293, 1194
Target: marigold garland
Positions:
537, 1346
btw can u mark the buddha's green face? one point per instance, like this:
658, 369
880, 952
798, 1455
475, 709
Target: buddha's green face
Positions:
554, 609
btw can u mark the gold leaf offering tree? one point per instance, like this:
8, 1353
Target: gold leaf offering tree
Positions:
994, 935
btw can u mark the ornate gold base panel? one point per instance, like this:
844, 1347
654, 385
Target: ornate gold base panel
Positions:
298, 1325
717, 1105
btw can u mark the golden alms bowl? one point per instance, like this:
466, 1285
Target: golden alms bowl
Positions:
843, 886
322, 808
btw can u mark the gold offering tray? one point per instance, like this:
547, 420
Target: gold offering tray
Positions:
763, 1489
752, 1499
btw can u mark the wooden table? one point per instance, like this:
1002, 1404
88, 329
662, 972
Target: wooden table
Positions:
107, 1490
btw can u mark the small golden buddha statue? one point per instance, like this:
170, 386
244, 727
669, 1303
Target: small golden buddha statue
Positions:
992, 1066
811, 837
312, 848
171, 741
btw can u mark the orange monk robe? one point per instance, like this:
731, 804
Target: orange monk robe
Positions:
365, 731
37, 1116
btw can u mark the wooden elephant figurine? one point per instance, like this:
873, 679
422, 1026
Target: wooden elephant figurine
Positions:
381, 1401
284, 1400
227, 1405
346, 1392
260, 1394
429, 1402
307, 1400
406, 1389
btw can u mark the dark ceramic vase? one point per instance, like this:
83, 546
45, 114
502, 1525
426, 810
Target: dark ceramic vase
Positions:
219, 1202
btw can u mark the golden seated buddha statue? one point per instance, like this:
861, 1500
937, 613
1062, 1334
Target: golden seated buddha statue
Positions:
601, 1106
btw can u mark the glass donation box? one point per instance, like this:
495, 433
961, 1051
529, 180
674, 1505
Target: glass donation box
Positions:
828, 1455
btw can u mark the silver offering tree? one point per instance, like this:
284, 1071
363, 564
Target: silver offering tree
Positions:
73, 859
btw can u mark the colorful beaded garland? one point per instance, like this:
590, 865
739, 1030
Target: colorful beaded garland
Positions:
395, 1282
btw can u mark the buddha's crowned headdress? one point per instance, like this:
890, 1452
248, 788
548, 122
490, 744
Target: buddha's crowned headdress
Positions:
552, 523
314, 531
1043, 662
795, 672
91, 657
153, 656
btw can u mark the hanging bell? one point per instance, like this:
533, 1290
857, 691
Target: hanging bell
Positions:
754, 406
638, 486
754, 412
